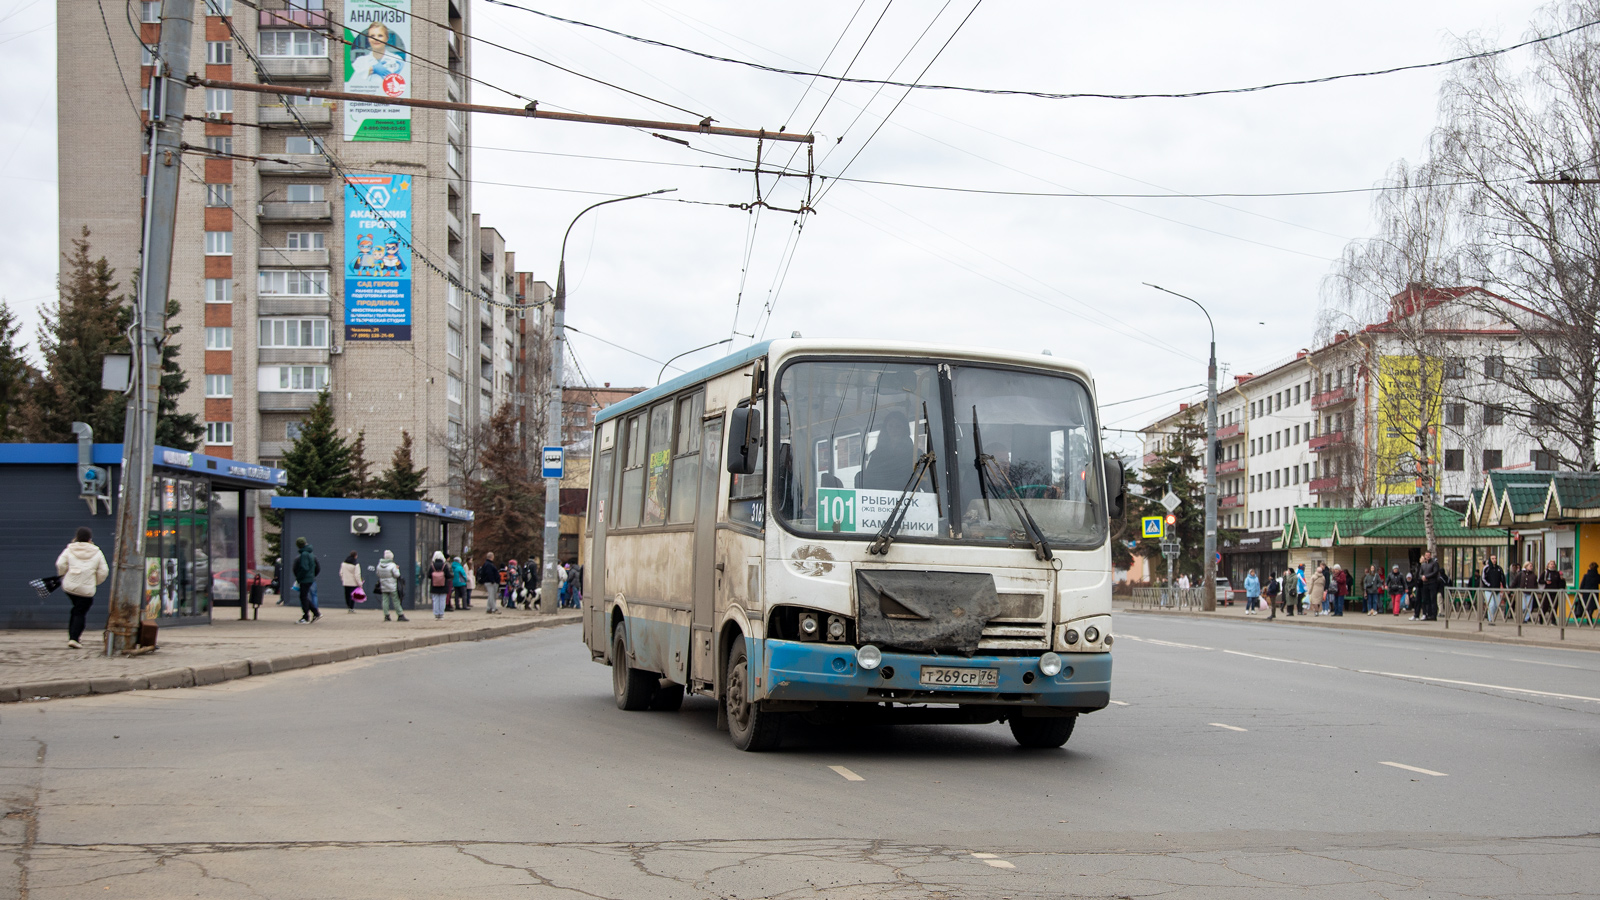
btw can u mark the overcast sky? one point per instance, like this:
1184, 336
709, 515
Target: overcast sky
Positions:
1020, 273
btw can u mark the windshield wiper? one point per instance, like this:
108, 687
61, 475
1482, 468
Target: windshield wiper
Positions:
987, 470
897, 515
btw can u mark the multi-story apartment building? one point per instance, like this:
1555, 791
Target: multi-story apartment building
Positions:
320, 244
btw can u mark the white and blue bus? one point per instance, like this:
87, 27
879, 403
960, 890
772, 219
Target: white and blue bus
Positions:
847, 530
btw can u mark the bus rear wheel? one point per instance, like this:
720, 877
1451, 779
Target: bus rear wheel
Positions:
1042, 734
751, 727
634, 688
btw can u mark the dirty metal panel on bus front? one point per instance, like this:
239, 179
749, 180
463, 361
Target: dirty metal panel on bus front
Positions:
942, 612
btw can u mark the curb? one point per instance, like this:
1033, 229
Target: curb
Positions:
1475, 636
216, 673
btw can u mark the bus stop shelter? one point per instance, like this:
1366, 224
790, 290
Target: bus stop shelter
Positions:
412, 529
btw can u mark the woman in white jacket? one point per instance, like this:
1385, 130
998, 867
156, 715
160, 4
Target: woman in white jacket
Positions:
82, 567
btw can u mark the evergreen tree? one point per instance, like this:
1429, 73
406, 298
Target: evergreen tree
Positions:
86, 324
181, 431
317, 465
1179, 466
15, 375
361, 483
505, 499
402, 480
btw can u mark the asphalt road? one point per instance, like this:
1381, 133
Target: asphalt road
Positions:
1249, 761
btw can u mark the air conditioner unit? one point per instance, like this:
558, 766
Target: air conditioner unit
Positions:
364, 525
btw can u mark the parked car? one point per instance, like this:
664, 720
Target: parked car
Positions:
1224, 591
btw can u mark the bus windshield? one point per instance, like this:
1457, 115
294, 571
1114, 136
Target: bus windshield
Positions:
851, 434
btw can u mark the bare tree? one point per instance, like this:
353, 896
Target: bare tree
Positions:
1538, 244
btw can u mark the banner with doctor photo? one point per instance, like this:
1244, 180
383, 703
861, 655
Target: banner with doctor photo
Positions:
377, 62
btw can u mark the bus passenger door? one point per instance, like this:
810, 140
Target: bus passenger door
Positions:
703, 669
594, 572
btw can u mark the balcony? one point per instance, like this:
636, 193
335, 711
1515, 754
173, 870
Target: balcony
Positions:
299, 356
318, 19
1230, 501
1324, 485
1331, 440
269, 257
318, 116
1229, 466
304, 211
278, 305
1334, 397
1230, 431
294, 164
285, 401
297, 68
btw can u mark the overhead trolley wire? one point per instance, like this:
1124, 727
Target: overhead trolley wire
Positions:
1051, 95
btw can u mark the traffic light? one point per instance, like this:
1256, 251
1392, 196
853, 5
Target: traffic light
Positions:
1172, 519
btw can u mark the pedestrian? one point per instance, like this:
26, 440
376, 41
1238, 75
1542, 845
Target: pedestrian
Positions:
1252, 592
1588, 587
1317, 595
508, 584
564, 579
489, 577
438, 583
1300, 590
459, 583
350, 578
577, 586
306, 570
1555, 590
1493, 579
1524, 581
389, 586
1342, 585
82, 567
1397, 590
1431, 575
1371, 590
1412, 583
1271, 591
472, 584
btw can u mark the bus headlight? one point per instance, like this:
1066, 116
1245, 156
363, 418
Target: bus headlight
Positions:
1071, 636
1091, 634
835, 629
1050, 665
808, 626
869, 657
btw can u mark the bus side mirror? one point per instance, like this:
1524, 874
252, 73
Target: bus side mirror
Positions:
1116, 487
744, 438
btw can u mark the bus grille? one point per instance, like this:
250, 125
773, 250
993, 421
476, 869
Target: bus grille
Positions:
1015, 636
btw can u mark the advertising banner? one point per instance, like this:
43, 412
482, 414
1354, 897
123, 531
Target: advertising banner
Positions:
377, 262
377, 61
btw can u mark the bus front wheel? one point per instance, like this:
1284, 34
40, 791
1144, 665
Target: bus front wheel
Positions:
634, 688
751, 727
1044, 734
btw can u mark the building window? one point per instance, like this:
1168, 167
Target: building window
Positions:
304, 146
219, 195
293, 282
219, 243
1454, 460
150, 12
453, 296
219, 7
1544, 414
219, 338
219, 433
219, 53
304, 193
219, 385
452, 389
147, 56
219, 290
1455, 367
1455, 414
452, 156
1544, 367
307, 240
452, 342
220, 145
293, 43
1494, 367
1542, 459
293, 378
1491, 459
1493, 415
219, 100
286, 333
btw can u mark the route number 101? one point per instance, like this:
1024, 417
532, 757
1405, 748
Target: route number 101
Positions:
836, 509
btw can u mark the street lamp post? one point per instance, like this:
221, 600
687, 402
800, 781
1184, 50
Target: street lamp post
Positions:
550, 587
1209, 578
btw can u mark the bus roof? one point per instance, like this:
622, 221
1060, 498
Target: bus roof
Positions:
836, 345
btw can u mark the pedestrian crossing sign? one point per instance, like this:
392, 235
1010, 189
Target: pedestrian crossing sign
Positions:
1154, 527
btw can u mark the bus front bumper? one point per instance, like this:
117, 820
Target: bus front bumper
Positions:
828, 673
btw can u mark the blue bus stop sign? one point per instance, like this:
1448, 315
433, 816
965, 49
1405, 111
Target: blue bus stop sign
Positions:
552, 462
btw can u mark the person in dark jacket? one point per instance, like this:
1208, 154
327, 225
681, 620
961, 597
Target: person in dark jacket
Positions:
1397, 589
1555, 587
438, 577
306, 570
489, 578
1431, 579
1342, 585
1589, 585
1493, 579
1371, 590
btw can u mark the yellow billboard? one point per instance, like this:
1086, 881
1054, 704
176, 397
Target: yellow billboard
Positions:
1409, 408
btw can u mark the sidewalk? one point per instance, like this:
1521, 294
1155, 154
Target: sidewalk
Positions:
1577, 638
38, 664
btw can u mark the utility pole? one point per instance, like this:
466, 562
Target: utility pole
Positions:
164, 137
550, 584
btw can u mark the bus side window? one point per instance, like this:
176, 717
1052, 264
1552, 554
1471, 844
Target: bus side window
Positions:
747, 502
632, 486
685, 463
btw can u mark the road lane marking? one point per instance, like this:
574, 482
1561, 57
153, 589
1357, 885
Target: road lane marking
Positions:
1298, 662
1414, 769
846, 774
1120, 702
993, 860
1492, 687
1229, 727
1164, 643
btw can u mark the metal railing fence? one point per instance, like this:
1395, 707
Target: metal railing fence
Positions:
1168, 598
1559, 609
